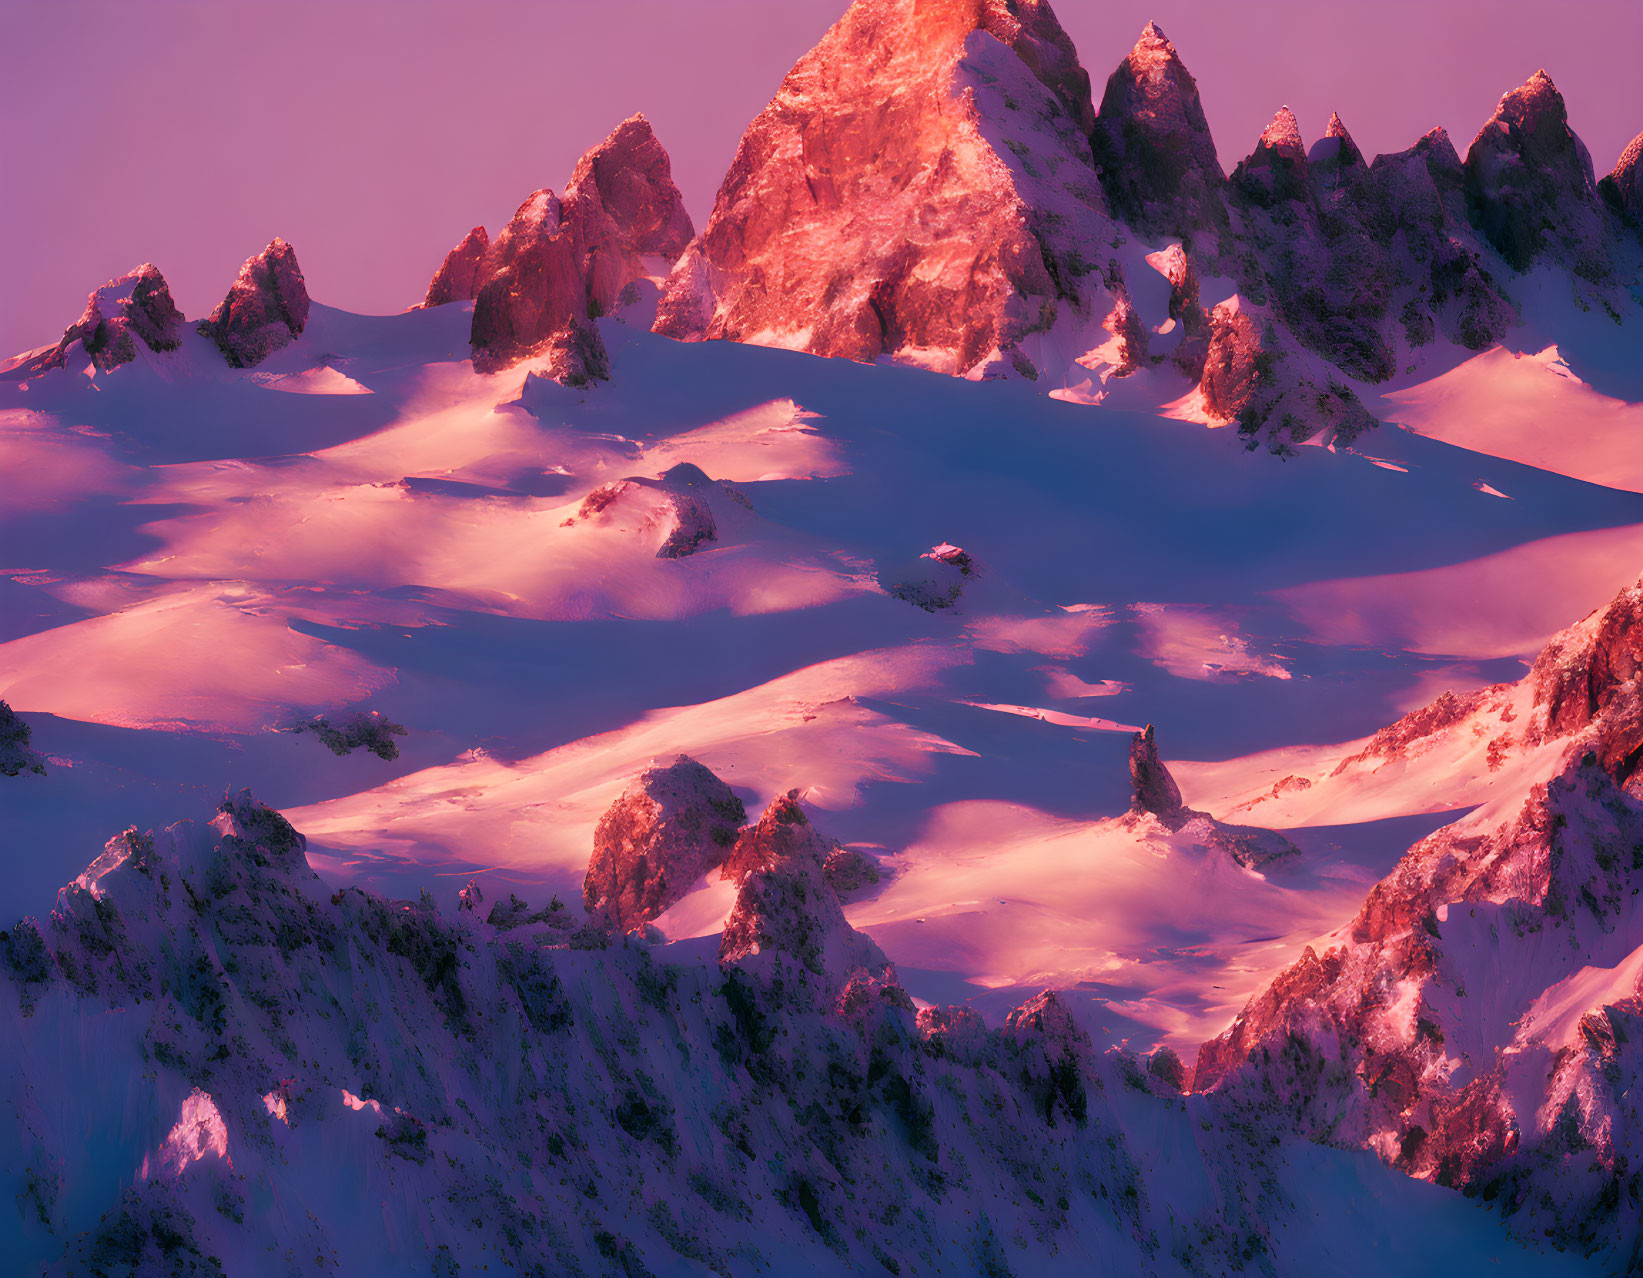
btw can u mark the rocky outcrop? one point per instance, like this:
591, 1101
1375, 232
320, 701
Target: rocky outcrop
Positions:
1255, 377
135, 307
668, 829
367, 730
921, 187
1185, 309
561, 262
934, 581
787, 923
1153, 788
532, 303
1158, 163
265, 309
1529, 185
458, 276
623, 201
1156, 798
1622, 189
15, 755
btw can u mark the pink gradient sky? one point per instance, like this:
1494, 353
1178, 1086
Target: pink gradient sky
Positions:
372, 135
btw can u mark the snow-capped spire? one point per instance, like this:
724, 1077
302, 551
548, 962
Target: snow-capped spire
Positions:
1283, 135
1335, 158
1157, 158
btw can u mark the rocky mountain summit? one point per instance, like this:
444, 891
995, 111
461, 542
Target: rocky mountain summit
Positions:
921, 187
932, 185
265, 309
564, 260
1153, 144
1473, 1024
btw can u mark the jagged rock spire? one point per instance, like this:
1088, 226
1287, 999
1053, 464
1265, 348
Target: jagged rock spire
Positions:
564, 260
1157, 157
1276, 170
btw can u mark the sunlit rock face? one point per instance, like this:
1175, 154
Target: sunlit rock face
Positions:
1622, 190
1478, 1023
457, 279
533, 302
1152, 141
668, 828
135, 307
626, 208
1587, 679
921, 187
562, 261
265, 309
1530, 188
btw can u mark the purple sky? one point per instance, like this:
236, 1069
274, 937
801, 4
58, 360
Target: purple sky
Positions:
372, 135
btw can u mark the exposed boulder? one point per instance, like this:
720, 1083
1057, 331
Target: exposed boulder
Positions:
15, 755
921, 187
786, 921
688, 488
135, 306
668, 829
1530, 188
1158, 163
458, 276
265, 310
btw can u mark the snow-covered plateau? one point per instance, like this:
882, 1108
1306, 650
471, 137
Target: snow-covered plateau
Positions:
1012, 703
